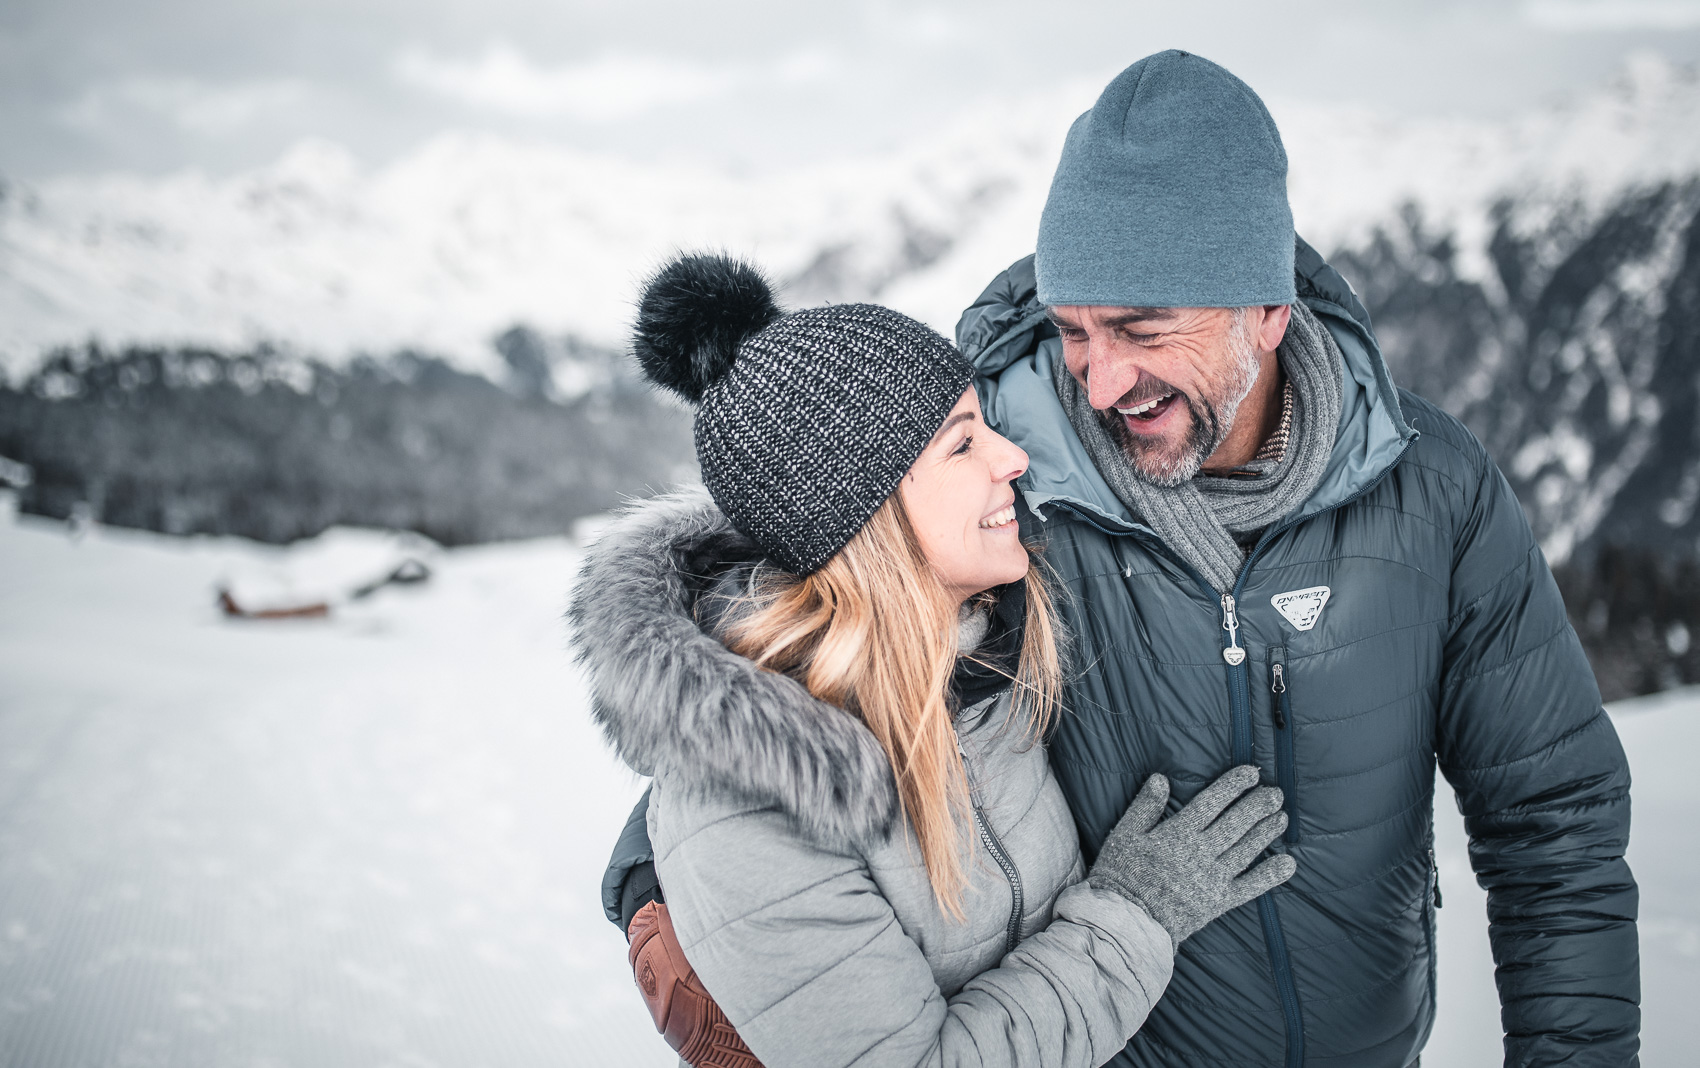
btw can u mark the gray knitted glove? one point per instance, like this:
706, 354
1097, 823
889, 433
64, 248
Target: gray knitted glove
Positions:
1185, 870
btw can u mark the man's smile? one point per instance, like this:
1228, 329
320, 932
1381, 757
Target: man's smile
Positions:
1152, 416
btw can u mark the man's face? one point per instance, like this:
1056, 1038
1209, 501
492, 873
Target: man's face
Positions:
1166, 382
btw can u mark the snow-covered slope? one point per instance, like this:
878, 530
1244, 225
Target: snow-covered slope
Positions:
377, 838
448, 245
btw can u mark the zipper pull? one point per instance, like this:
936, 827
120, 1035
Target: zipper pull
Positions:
1278, 685
1233, 654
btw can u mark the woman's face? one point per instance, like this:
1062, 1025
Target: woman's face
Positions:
962, 505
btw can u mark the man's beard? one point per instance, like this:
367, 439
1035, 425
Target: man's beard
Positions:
1168, 463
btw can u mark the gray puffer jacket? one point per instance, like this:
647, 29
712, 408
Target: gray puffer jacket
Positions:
793, 879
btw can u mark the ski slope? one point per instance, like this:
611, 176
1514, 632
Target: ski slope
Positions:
376, 839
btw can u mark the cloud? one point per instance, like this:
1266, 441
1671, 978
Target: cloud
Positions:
606, 89
1577, 16
194, 106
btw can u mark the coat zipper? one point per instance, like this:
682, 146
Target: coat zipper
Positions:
994, 846
1239, 700
1281, 710
1239, 706
1239, 703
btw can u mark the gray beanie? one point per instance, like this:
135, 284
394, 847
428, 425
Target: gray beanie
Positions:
1171, 193
806, 422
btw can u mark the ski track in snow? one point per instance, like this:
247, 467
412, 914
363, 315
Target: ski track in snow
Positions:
377, 839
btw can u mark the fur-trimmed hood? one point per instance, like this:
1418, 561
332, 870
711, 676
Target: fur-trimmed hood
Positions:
674, 701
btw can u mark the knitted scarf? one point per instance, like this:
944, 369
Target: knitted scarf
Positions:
1210, 520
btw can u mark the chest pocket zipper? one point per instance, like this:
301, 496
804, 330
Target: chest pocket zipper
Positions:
1281, 711
994, 846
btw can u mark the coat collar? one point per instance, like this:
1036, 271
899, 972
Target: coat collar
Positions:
1012, 346
675, 702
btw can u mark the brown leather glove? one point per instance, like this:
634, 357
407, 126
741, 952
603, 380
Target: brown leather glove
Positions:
684, 1012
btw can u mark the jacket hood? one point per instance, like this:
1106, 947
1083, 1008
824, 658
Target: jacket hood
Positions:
1012, 345
674, 701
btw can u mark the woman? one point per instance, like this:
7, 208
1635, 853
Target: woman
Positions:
837, 671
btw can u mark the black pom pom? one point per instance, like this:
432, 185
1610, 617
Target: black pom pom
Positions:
694, 314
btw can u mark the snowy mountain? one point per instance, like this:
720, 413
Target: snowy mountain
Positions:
1539, 277
447, 246
450, 245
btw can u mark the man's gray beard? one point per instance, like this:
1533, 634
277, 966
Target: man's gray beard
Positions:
1212, 418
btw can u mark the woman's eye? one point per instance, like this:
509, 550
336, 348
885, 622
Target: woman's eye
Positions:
967, 443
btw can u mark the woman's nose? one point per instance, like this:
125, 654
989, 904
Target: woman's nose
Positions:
1010, 462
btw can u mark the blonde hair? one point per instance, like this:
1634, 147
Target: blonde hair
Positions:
874, 632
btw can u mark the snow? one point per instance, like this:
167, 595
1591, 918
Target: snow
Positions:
377, 839
467, 234
1660, 733
369, 840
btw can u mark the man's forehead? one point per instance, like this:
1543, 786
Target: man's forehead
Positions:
1111, 315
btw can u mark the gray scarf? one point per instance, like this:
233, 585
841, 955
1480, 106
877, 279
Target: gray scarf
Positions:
1208, 519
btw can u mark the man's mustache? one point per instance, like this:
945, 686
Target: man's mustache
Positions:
1148, 388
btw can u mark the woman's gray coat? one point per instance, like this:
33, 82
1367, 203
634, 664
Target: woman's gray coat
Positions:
793, 879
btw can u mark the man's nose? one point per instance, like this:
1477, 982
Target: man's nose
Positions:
1107, 378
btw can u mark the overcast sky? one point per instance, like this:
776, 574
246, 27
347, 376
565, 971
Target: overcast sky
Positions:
158, 85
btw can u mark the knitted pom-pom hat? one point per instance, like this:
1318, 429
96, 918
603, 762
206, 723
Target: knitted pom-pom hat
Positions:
805, 422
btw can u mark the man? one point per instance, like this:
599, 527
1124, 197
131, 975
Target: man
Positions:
1273, 556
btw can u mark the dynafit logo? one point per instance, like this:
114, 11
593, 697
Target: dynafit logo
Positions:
1301, 607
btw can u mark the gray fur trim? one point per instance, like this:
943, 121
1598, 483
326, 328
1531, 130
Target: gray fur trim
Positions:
672, 700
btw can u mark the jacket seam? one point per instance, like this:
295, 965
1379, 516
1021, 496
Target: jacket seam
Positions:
890, 921
888, 1036
1402, 512
1305, 726
1311, 836
1403, 754
1377, 877
763, 907
1418, 625
1469, 457
1334, 559
1458, 484
1616, 797
1558, 633
715, 822
1510, 573
1554, 744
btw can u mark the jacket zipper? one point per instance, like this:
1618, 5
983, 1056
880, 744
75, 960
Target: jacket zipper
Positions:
1281, 710
1239, 702
994, 846
1239, 706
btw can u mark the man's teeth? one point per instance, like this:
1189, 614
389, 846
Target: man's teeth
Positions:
1141, 409
999, 518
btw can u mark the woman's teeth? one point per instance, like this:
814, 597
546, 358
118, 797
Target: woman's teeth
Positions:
999, 518
1141, 409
